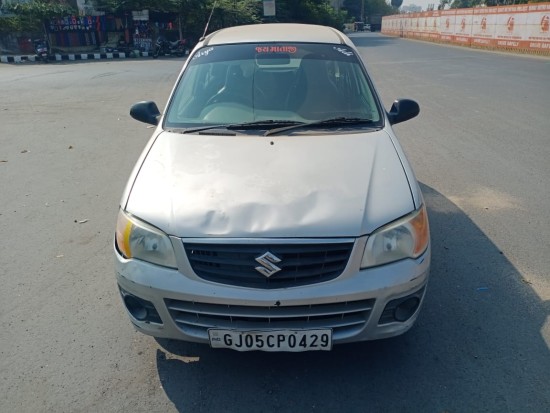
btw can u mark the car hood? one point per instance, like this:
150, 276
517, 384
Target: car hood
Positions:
304, 186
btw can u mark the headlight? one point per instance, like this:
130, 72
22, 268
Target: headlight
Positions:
405, 238
136, 239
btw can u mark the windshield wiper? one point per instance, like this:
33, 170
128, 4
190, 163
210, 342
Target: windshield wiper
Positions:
260, 123
194, 130
243, 126
339, 121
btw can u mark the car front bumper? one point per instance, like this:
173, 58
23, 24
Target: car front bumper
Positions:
359, 305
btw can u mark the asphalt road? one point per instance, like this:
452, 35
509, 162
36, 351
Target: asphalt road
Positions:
480, 148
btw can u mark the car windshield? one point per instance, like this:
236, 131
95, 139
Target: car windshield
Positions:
277, 83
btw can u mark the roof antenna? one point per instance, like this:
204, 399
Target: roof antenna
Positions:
208, 22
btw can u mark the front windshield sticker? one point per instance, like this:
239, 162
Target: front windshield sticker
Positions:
202, 53
276, 49
346, 52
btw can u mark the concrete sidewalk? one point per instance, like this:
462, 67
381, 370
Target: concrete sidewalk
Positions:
74, 56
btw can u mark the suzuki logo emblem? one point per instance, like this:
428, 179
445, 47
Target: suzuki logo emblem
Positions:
268, 261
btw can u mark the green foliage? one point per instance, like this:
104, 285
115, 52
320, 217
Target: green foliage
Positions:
11, 25
114, 6
233, 13
41, 9
30, 16
309, 11
371, 7
396, 3
193, 14
462, 4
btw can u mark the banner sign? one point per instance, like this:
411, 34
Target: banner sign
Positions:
142, 15
524, 27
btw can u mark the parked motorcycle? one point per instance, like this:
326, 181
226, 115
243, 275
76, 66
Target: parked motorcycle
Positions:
166, 47
41, 50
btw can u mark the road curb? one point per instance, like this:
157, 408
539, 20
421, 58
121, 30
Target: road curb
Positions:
73, 56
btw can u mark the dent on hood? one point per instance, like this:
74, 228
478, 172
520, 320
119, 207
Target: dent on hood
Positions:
278, 218
199, 186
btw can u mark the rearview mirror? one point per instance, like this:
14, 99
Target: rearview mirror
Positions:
402, 110
146, 111
273, 59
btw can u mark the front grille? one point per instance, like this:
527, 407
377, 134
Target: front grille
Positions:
301, 264
346, 319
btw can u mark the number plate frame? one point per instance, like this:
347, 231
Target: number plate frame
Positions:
272, 340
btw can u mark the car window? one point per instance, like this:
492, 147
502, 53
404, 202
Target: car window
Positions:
253, 82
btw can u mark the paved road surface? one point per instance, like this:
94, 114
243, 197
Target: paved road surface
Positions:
480, 149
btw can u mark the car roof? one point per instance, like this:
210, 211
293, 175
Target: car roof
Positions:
277, 32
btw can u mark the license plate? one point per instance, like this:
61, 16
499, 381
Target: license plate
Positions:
272, 340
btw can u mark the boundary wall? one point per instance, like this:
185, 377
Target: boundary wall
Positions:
522, 28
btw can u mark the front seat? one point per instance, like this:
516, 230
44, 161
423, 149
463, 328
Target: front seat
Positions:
318, 96
237, 88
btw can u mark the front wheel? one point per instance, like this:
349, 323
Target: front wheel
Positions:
156, 52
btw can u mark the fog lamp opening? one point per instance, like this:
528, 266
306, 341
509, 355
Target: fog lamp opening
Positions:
135, 307
406, 309
140, 309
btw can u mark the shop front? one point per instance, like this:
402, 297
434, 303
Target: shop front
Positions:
125, 31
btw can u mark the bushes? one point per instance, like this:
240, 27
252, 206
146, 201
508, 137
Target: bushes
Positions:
30, 16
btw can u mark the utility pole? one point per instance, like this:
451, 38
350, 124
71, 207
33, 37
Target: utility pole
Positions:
363, 11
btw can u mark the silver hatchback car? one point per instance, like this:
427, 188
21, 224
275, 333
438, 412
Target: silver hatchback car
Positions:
273, 208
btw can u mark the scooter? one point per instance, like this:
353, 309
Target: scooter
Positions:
41, 50
166, 47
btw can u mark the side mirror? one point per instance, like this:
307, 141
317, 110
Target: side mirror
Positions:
146, 111
402, 110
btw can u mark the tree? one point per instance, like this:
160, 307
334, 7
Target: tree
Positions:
443, 4
396, 3
461, 4
233, 13
30, 16
192, 15
310, 11
371, 7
